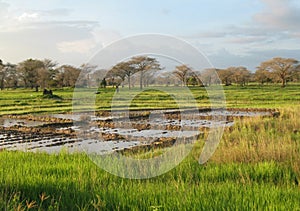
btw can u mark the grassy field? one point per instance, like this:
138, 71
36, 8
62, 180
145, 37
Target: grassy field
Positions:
23, 101
256, 165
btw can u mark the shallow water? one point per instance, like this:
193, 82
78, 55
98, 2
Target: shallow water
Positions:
10, 122
158, 128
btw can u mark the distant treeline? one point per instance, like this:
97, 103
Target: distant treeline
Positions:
35, 74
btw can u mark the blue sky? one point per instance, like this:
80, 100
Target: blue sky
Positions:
229, 32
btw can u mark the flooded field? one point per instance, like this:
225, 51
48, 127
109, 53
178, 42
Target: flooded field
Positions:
111, 132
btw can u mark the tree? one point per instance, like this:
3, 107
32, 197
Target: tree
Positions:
149, 78
226, 75
143, 64
296, 74
68, 75
241, 75
166, 79
210, 76
181, 72
50, 67
11, 80
103, 83
96, 76
88, 69
192, 80
28, 71
43, 77
281, 67
262, 76
8, 75
2, 74
123, 70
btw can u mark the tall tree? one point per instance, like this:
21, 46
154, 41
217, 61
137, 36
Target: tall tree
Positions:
43, 77
281, 67
8, 75
51, 68
2, 74
68, 76
226, 75
143, 64
241, 75
28, 70
262, 76
11, 80
124, 70
181, 72
296, 74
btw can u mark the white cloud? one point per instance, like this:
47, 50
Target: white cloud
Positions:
28, 16
273, 31
279, 14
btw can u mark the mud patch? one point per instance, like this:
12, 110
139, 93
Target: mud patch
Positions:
104, 133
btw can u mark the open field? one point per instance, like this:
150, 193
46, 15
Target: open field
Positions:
256, 165
22, 101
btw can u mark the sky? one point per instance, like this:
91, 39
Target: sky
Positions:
228, 32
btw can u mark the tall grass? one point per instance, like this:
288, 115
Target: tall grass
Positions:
262, 139
256, 167
72, 182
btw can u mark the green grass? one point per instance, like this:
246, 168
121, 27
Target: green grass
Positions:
255, 167
72, 182
23, 101
255, 96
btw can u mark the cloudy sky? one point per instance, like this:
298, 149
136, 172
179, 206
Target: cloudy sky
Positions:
228, 32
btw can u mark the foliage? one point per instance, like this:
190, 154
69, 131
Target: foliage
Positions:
281, 67
35, 73
143, 64
138, 64
181, 72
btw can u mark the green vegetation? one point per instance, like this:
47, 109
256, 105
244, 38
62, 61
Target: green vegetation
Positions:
22, 101
256, 165
72, 182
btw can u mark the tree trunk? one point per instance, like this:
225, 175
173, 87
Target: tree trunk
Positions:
283, 84
141, 79
2, 84
129, 86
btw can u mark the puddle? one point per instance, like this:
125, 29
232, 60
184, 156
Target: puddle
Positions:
125, 136
55, 144
74, 117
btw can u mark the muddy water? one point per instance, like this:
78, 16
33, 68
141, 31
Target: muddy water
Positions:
9, 122
106, 134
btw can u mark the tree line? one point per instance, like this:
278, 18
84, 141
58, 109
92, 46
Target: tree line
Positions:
276, 70
35, 74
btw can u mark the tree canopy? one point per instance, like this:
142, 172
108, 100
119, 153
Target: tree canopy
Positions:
142, 70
